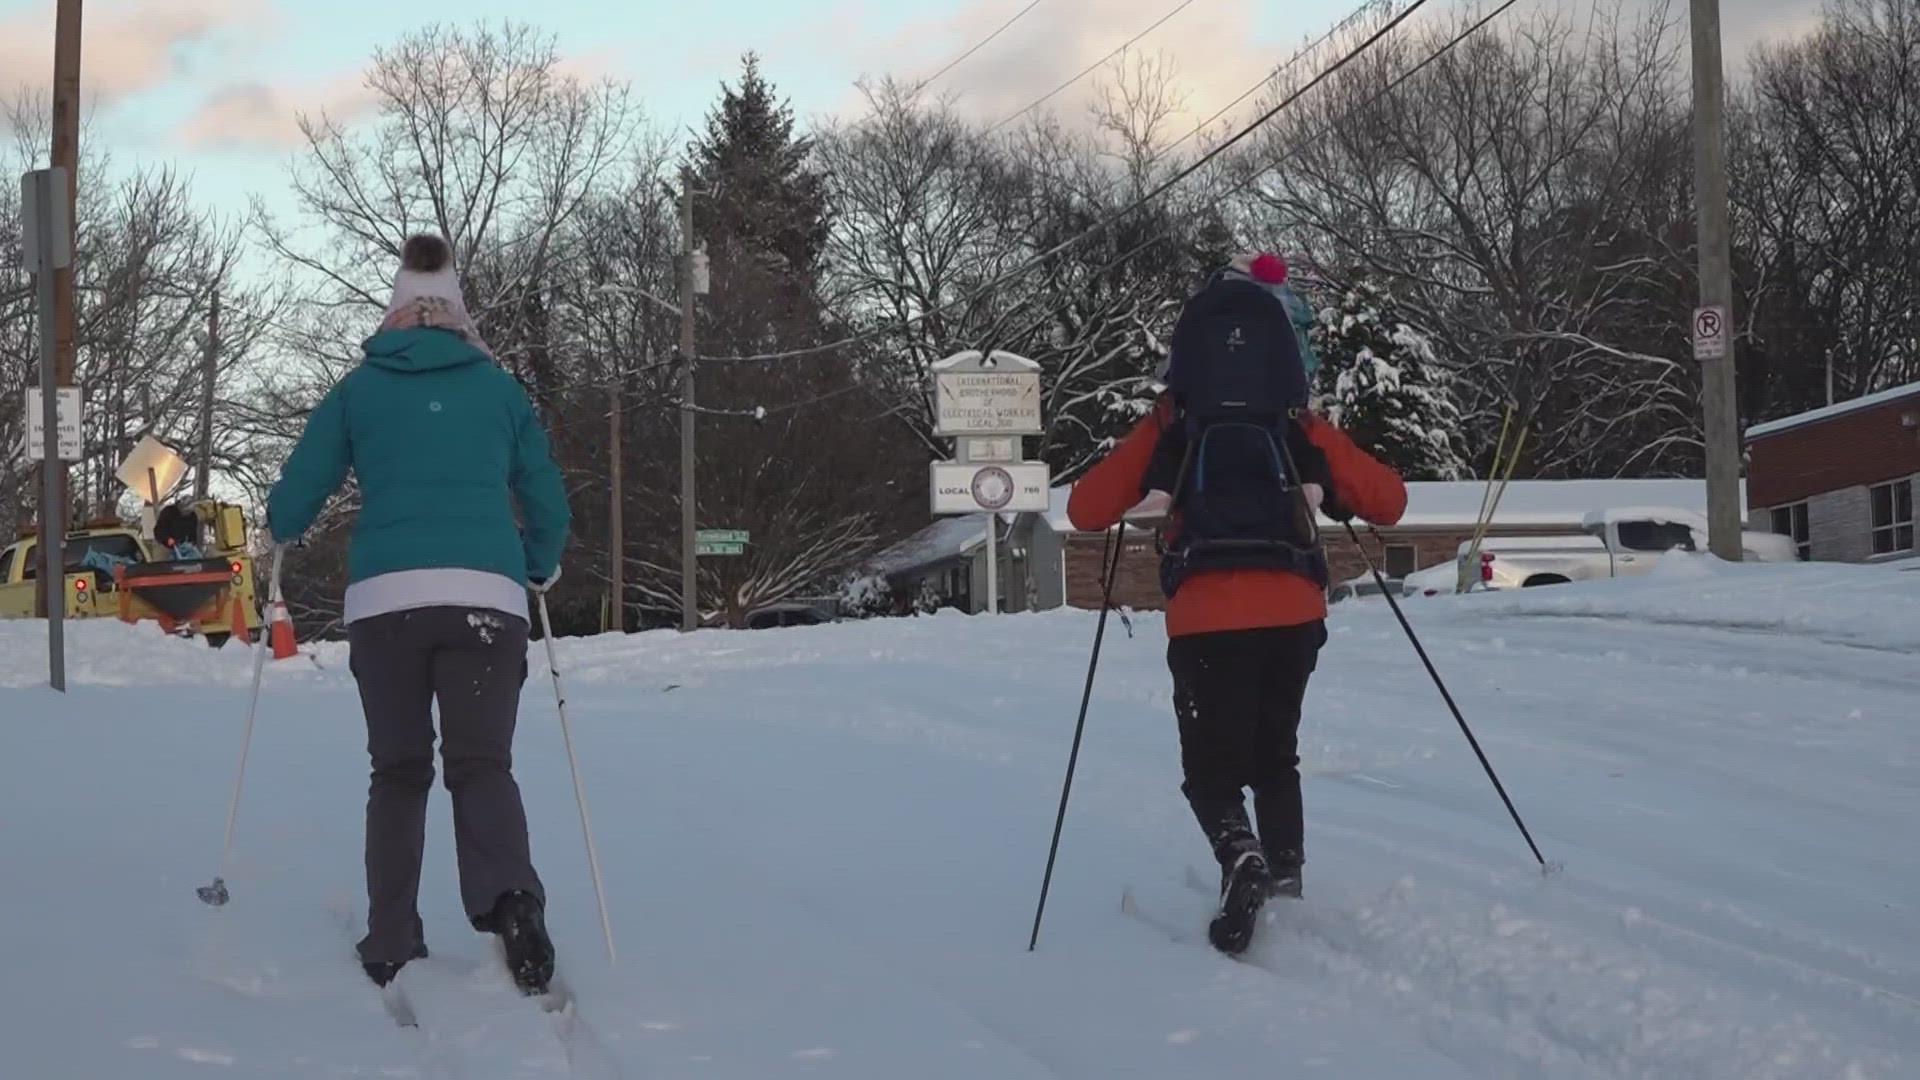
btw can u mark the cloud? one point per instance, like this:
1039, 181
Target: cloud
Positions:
127, 47
1215, 48
254, 115
1764, 23
1217, 51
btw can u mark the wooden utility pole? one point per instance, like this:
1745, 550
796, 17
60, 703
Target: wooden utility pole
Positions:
64, 154
203, 485
689, 518
616, 513
1717, 377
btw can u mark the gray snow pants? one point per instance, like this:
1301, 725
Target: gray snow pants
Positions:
474, 662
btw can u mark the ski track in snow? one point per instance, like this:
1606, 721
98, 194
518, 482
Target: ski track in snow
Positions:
823, 847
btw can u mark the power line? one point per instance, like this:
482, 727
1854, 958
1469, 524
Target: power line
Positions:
983, 43
1358, 13
1107, 222
1255, 175
1095, 66
1352, 18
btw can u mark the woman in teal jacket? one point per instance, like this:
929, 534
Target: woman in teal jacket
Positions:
444, 446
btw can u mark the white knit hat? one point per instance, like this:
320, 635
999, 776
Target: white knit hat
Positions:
426, 291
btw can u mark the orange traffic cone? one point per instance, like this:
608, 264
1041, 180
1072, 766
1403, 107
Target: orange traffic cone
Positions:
283, 643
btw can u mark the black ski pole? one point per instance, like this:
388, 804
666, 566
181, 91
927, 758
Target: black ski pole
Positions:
1110, 564
1437, 681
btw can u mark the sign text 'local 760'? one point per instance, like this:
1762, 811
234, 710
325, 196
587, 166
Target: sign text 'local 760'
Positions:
972, 489
987, 403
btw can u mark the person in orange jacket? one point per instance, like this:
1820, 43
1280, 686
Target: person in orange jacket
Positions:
1243, 643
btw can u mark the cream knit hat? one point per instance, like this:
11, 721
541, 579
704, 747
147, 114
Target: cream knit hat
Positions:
426, 291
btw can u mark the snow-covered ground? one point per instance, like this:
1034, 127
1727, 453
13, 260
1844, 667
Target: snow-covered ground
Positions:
823, 846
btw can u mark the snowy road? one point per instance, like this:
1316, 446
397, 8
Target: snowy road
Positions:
823, 847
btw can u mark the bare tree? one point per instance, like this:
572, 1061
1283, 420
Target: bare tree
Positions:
1135, 109
1526, 199
148, 263
1828, 208
479, 136
926, 219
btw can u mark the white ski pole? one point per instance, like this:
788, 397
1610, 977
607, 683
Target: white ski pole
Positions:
216, 893
579, 790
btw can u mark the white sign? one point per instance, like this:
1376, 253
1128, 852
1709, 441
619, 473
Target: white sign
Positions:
986, 394
990, 450
987, 403
974, 489
1709, 332
152, 470
71, 448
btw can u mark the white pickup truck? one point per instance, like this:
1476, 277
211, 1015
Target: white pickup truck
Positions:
1614, 543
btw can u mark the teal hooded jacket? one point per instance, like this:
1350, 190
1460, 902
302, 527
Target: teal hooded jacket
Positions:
444, 445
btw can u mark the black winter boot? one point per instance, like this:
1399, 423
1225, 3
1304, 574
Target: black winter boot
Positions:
522, 927
383, 972
1244, 887
1285, 867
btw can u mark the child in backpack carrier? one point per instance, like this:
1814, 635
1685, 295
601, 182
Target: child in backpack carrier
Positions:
1237, 455
1270, 271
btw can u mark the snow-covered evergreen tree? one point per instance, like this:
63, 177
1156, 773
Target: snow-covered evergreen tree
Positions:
1381, 380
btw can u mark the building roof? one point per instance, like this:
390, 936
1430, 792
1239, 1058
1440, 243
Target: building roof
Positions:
947, 538
1437, 504
1834, 411
1562, 504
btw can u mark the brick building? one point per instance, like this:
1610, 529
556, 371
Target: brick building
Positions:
1440, 516
1840, 480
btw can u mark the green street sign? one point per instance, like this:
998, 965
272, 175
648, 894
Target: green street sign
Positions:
718, 547
722, 536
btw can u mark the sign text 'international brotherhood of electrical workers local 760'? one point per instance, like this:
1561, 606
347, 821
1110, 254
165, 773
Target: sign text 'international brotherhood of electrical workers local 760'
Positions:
987, 403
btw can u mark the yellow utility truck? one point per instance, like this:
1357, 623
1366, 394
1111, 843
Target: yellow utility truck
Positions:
195, 580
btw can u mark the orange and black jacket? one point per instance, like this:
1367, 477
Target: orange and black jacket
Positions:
1224, 600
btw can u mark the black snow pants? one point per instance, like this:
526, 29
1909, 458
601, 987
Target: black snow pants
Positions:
1238, 695
474, 662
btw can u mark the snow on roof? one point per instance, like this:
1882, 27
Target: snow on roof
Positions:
1545, 503
1837, 409
947, 538
1581, 542
1667, 515
1542, 504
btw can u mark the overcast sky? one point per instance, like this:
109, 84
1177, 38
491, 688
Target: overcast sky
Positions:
215, 84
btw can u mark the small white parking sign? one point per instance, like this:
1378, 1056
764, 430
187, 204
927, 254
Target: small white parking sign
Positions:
1710, 332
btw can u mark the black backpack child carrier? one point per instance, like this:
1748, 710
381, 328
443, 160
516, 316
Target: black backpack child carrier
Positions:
1232, 456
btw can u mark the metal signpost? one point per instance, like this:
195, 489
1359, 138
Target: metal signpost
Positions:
46, 240
988, 403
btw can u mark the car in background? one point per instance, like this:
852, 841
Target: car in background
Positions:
1440, 579
1623, 542
775, 616
1359, 588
